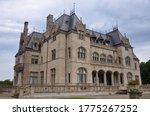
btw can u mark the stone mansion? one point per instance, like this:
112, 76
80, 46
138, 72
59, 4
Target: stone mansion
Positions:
68, 53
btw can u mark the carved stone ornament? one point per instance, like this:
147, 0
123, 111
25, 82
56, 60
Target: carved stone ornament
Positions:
125, 41
80, 26
52, 28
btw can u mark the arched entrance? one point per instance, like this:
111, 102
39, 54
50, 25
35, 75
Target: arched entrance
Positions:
116, 78
108, 77
101, 77
121, 78
94, 77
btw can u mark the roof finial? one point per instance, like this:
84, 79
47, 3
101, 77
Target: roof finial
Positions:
125, 35
74, 6
117, 23
64, 11
81, 19
33, 29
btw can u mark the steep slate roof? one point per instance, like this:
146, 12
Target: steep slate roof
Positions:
116, 36
68, 22
100, 35
34, 35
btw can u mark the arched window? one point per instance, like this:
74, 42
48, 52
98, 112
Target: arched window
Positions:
81, 75
35, 45
95, 56
103, 58
129, 76
81, 53
128, 61
109, 59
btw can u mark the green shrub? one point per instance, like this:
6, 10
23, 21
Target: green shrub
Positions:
133, 82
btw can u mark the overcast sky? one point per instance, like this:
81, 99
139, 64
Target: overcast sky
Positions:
131, 16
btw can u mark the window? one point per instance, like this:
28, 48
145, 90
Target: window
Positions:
109, 59
40, 47
34, 59
103, 58
35, 44
135, 66
136, 77
121, 78
54, 54
81, 53
119, 60
42, 78
126, 48
53, 74
81, 35
69, 78
69, 52
127, 60
95, 56
81, 75
41, 59
33, 77
53, 38
129, 76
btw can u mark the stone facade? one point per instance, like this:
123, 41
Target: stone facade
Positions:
68, 53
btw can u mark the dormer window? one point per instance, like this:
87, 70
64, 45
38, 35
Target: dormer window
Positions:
107, 42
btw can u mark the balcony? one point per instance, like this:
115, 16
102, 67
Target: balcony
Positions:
19, 67
99, 63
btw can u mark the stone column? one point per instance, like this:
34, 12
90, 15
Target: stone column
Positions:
97, 78
19, 79
105, 82
112, 79
119, 83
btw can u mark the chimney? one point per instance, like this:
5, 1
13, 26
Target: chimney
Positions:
49, 19
25, 31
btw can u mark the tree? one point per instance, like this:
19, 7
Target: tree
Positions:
6, 83
145, 72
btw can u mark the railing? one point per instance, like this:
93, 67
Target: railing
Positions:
106, 64
19, 67
30, 90
73, 88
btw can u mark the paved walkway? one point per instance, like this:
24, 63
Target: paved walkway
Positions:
112, 96
5, 96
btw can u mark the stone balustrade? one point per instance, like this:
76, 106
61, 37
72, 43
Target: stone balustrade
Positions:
31, 90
